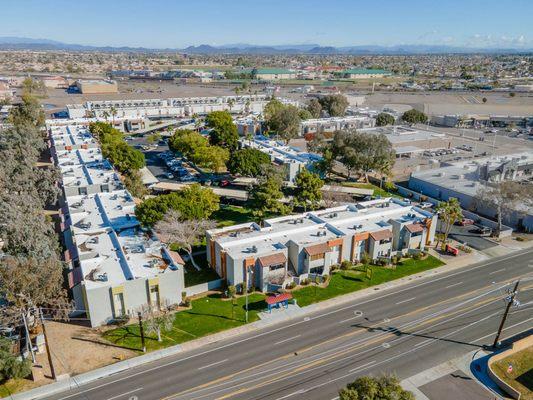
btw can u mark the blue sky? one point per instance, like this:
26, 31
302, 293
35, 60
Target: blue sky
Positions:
179, 23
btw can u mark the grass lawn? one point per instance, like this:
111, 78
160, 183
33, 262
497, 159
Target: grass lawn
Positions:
343, 282
194, 277
377, 190
14, 386
522, 376
231, 215
208, 315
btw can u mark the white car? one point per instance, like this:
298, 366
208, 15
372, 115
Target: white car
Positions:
168, 175
425, 204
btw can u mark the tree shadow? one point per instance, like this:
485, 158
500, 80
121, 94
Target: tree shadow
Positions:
108, 344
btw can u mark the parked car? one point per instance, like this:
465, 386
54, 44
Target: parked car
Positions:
425, 204
465, 222
224, 182
482, 230
169, 175
187, 178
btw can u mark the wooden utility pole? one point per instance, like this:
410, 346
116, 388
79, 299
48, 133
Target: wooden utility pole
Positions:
47, 345
141, 329
510, 301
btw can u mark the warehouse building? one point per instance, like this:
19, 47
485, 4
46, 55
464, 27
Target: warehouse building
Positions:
96, 86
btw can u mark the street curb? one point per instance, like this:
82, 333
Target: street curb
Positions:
91, 376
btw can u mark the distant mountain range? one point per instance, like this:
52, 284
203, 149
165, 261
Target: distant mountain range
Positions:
21, 43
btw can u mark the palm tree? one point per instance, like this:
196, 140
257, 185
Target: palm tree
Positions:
105, 114
113, 112
449, 212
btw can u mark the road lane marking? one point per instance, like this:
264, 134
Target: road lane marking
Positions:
349, 319
498, 270
125, 394
286, 340
481, 264
455, 284
213, 364
333, 353
363, 366
405, 301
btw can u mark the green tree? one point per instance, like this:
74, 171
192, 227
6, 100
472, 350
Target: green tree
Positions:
11, 367
153, 138
414, 117
134, 184
212, 157
247, 162
449, 213
124, 157
273, 107
267, 194
334, 104
196, 202
223, 130
284, 120
384, 119
363, 152
33, 87
315, 108
369, 388
304, 114
193, 202
187, 141
308, 191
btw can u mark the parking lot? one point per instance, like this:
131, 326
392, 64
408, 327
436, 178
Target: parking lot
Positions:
469, 235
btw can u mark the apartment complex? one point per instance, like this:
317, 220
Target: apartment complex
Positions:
116, 266
291, 159
464, 179
330, 125
358, 73
294, 247
167, 108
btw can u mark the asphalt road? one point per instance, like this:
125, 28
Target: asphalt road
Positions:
403, 330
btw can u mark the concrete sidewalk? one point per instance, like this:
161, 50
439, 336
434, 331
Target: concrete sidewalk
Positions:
463, 374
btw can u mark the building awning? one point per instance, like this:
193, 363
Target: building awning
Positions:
317, 249
278, 299
414, 228
75, 276
176, 258
381, 235
273, 259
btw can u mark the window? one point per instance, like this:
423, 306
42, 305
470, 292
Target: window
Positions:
278, 266
118, 304
384, 241
335, 248
317, 257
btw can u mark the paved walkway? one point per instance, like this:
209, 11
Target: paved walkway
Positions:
282, 313
456, 379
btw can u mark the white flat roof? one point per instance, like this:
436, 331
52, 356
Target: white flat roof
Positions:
281, 153
463, 176
239, 240
78, 156
71, 136
96, 173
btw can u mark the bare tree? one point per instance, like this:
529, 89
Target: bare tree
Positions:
184, 233
157, 320
505, 197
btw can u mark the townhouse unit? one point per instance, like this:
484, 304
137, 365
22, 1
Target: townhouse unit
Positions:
116, 266
298, 246
71, 138
291, 159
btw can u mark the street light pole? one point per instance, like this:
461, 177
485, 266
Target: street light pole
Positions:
246, 291
510, 301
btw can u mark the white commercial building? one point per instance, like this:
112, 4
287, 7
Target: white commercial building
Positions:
294, 247
464, 179
117, 267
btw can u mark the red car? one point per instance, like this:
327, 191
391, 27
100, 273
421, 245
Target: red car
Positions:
465, 221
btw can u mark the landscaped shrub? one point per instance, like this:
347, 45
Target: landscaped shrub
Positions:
232, 291
304, 282
395, 259
520, 239
417, 256
345, 265
365, 258
291, 285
